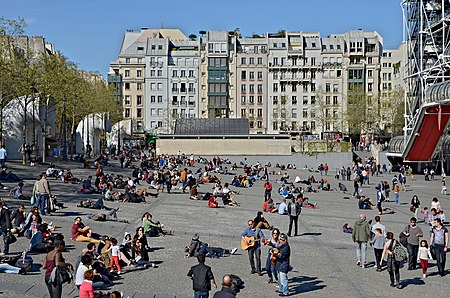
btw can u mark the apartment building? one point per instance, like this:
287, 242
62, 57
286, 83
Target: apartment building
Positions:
217, 79
285, 82
251, 94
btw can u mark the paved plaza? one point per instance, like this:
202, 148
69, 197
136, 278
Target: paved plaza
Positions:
323, 257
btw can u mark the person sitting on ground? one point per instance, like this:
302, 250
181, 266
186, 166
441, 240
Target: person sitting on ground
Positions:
342, 188
69, 178
269, 206
87, 186
17, 192
18, 218
282, 209
197, 248
347, 229
52, 171
36, 243
365, 203
261, 222
307, 204
81, 232
8, 176
153, 228
212, 202
111, 215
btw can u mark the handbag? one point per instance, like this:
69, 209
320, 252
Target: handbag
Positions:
60, 275
412, 209
10, 238
403, 239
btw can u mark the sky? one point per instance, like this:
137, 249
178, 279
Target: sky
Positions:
90, 32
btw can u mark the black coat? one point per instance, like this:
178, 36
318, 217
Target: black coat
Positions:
5, 220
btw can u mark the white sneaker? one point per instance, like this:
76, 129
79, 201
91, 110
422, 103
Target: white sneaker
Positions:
424, 276
234, 250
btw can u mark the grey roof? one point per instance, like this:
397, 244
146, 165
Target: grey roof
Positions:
213, 126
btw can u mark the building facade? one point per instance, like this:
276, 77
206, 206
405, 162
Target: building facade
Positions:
285, 82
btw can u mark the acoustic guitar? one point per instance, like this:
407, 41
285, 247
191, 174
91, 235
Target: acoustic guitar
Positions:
248, 242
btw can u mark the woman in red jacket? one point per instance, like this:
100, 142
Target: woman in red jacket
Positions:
86, 288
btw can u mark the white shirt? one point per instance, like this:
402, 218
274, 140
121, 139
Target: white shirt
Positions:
79, 277
115, 250
3, 153
282, 210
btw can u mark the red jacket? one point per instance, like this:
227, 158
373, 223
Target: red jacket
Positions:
86, 290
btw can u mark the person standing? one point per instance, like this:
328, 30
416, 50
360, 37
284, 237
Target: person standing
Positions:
380, 199
379, 225
3, 156
361, 235
267, 190
283, 264
5, 226
294, 210
378, 245
44, 194
439, 240
254, 251
413, 232
424, 256
273, 243
393, 266
226, 291
55, 259
202, 277
396, 193
415, 205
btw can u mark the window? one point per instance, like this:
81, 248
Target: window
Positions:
260, 75
294, 100
313, 87
370, 73
139, 113
174, 73
159, 73
370, 87
335, 100
252, 75
160, 47
252, 60
152, 73
243, 88
243, 60
331, 47
127, 73
127, 113
153, 99
127, 86
252, 88
275, 100
260, 60
183, 74
260, 113
127, 60
327, 100
275, 125
275, 87
139, 60
313, 44
159, 86
335, 88
139, 73
305, 100
275, 61
191, 73
294, 113
338, 46
243, 99
294, 87
243, 75
313, 125
139, 86
127, 99
139, 100
260, 99
153, 112
174, 87
275, 75
324, 47
305, 113
160, 98
160, 112
313, 61
251, 98
313, 100
243, 112
260, 88
153, 47
259, 124
153, 86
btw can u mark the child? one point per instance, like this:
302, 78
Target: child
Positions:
378, 245
347, 229
425, 215
442, 216
115, 248
424, 256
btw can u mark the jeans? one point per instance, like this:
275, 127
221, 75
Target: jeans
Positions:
396, 198
42, 202
271, 271
255, 252
380, 208
6, 268
283, 282
201, 294
393, 267
267, 195
413, 250
440, 258
5, 246
378, 254
293, 219
361, 248
2, 162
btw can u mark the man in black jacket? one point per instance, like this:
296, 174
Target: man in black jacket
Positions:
202, 277
294, 209
227, 291
5, 226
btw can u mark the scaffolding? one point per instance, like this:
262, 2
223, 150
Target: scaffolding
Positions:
427, 55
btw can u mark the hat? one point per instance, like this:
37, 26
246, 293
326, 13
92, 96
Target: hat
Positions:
283, 237
195, 237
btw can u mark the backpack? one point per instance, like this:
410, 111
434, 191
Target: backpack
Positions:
237, 284
399, 252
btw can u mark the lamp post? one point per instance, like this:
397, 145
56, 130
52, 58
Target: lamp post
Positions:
64, 157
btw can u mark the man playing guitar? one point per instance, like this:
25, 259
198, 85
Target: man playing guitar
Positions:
252, 239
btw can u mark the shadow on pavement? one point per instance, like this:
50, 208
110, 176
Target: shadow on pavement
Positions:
305, 284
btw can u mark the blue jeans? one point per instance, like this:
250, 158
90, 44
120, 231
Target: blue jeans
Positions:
396, 197
283, 282
201, 294
271, 271
5, 246
6, 268
42, 201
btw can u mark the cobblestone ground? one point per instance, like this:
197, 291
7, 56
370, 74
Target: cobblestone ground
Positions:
323, 257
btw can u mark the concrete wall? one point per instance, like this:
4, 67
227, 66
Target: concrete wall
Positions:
224, 145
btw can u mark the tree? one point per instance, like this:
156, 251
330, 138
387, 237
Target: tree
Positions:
392, 110
193, 37
202, 32
356, 114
